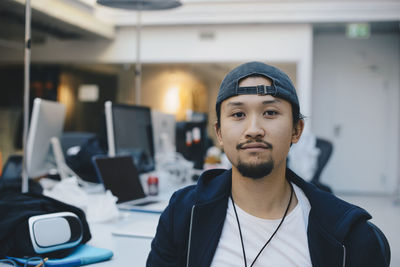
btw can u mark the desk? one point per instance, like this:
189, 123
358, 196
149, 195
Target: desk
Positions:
128, 251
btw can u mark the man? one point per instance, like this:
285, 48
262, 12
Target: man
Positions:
260, 213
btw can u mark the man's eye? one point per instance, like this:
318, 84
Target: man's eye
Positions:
270, 113
238, 115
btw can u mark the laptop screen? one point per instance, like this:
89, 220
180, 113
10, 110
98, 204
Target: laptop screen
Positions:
120, 176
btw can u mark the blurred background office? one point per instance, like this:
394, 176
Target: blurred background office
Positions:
343, 56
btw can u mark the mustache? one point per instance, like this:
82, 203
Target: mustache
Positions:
268, 145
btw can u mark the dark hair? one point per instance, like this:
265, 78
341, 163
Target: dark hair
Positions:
297, 116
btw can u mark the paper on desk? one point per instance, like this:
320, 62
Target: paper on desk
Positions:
100, 207
142, 228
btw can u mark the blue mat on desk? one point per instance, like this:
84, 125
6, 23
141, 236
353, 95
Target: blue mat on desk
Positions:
82, 255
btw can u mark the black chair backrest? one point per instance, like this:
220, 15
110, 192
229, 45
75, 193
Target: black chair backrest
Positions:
13, 168
326, 148
384, 244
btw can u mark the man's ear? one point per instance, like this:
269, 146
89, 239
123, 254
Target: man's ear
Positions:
218, 133
297, 131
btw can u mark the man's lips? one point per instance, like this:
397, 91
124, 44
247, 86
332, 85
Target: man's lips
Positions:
254, 145
251, 146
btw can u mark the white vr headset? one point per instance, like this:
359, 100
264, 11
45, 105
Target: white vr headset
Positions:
55, 231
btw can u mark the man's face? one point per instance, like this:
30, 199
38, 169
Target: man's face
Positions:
256, 131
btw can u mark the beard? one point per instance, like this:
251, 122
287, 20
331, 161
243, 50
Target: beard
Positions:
255, 171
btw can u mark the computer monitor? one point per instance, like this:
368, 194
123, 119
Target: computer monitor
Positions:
163, 131
129, 131
47, 121
192, 141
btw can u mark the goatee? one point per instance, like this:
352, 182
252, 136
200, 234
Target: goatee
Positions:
255, 171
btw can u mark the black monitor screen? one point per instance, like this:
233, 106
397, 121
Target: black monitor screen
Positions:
133, 134
191, 147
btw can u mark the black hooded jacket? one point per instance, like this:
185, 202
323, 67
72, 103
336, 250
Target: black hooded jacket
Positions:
189, 230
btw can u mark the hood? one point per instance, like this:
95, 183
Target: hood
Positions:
213, 185
333, 214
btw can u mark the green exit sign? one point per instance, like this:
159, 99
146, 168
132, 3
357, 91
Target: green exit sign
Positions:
358, 30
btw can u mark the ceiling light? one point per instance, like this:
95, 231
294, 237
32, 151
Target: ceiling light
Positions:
141, 4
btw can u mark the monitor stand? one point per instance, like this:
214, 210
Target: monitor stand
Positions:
64, 170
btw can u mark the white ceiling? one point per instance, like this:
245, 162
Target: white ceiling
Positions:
84, 19
257, 11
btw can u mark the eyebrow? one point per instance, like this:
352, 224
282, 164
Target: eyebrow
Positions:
273, 101
266, 102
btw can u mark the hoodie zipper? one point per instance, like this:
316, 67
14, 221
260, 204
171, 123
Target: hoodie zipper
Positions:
190, 235
344, 256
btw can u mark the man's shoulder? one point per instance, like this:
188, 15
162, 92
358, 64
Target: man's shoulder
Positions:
333, 214
210, 184
209, 187
322, 201
185, 196
349, 225
332, 207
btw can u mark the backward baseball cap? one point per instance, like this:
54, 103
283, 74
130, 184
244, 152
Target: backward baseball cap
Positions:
281, 85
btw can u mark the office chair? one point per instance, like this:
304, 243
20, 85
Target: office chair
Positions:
383, 242
70, 139
326, 148
81, 162
13, 168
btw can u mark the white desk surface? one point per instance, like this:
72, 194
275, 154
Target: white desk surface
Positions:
128, 251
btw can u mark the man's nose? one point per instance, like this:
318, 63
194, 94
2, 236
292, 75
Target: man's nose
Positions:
254, 128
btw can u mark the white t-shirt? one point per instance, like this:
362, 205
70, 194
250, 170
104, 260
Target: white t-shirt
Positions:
289, 246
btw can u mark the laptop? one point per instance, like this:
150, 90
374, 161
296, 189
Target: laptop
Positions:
120, 175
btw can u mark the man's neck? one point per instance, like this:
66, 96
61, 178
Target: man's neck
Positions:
266, 197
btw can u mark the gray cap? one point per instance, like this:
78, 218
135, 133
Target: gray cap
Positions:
281, 85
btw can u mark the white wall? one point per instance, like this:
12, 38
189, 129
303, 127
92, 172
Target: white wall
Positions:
335, 58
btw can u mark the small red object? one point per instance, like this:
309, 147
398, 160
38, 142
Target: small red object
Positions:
152, 183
